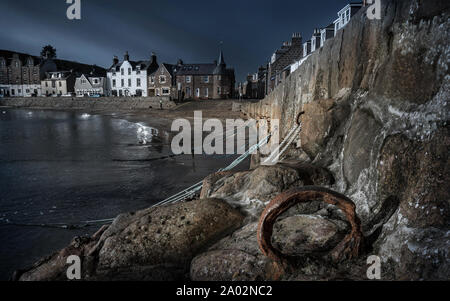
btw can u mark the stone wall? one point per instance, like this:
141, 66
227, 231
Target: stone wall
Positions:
102, 103
376, 102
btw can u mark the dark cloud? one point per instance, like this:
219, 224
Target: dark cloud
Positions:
192, 30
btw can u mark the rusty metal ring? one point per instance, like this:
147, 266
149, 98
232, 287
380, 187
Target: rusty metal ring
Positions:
298, 117
348, 248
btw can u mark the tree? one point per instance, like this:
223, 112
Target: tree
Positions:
48, 51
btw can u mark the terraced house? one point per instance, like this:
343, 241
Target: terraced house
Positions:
92, 84
20, 75
205, 81
162, 81
129, 78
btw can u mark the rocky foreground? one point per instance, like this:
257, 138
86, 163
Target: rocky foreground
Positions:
375, 129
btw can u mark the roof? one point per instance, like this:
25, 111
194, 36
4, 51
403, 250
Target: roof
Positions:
144, 65
196, 69
61, 64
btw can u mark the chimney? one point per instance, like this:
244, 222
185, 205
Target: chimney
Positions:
115, 60
180, 62
126, 57
153, 59
296, 38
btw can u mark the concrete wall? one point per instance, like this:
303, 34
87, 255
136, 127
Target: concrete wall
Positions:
102, 103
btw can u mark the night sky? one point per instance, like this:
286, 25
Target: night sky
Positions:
251, 30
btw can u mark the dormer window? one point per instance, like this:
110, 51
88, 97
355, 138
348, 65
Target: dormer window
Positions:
162, 79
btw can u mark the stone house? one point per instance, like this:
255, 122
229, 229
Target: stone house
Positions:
19, 75
91, 84
283, 57
205, 81
58, 83
129, 78
162, 82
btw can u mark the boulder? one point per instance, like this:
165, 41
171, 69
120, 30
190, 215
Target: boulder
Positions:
238, 257
153, 244
250, 191
416, 173
307, 234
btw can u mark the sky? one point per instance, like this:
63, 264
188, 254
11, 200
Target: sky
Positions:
250, 30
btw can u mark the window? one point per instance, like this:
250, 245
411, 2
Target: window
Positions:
188, 79
114, 73
220, 77
152, 79
206, 92
206, 79
53, 84
165, 91
95, 81
121, 71
46, 84
162, 79
122, 82
218, 90
27, 90
129, 82
114, 83
60, 84
138, 82
129, 71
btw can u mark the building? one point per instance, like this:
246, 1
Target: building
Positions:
283, 57
91, 84
326, 33
205, 81
315, 40
58, 83
306, 48
162, 82
255, 85
20, 75
345, 14
129, 78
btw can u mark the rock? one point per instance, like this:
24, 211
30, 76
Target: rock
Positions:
416, 173
226, 265
250, 191
319, 123
152, 244
169, 234
359, 143
238, 257
307, 234
240, 254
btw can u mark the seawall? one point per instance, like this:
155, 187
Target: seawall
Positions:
87, 103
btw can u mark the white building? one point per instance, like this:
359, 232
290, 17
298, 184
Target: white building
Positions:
326, 33
128, 78
306, 48
315, 40
345, 14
